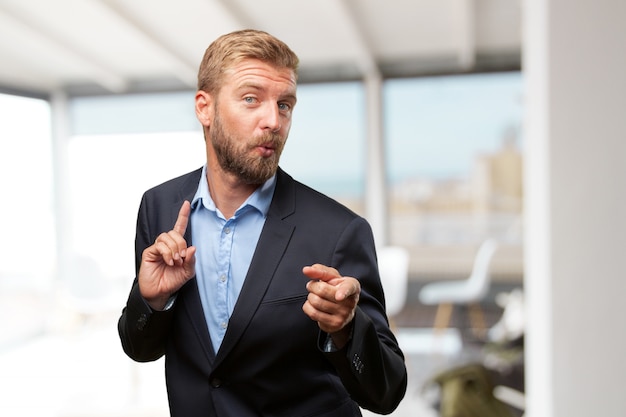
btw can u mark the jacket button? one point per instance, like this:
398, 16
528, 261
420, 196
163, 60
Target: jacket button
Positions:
216, 382
141, 322
358, 364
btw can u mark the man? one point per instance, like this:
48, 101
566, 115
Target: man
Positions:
263, 295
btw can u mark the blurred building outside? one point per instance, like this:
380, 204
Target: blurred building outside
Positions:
443, 221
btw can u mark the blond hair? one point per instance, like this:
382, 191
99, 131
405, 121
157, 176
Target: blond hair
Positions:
231, 48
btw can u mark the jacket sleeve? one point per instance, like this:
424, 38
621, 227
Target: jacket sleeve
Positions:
143, 331
371, 366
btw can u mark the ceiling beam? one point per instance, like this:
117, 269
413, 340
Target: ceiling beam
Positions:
237, 14
366, 61
185, 71
103, 74
467, 34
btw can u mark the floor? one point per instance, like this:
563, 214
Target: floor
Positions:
79, 369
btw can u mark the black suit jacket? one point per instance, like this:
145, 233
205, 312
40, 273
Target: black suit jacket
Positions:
270, 362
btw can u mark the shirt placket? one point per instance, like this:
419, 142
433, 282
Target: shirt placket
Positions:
223, 274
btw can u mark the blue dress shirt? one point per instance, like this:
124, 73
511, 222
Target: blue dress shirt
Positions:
224, 249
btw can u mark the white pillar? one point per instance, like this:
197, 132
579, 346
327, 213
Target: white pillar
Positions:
376, 178
60, 136
575, 177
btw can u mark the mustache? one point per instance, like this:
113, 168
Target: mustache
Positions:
270, 139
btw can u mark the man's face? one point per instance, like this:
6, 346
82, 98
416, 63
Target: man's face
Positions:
252, 118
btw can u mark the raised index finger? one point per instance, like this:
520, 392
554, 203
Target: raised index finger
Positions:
183, 218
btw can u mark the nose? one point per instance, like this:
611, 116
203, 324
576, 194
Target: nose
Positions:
272, 118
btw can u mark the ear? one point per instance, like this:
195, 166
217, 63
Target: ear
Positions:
204, 107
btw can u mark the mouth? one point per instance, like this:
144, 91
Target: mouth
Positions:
266, 149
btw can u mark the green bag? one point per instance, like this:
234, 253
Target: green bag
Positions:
467, 391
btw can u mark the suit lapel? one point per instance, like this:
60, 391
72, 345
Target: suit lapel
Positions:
190, 292
268, 253
193, 309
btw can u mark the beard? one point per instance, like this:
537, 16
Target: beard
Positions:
238, 156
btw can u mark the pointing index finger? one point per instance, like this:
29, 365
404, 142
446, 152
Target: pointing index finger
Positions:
321, 272
183, 218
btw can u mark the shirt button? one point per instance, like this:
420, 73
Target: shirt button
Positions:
224, 324
227, 230
223, 278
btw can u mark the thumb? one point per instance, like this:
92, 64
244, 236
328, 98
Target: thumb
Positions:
347, 288
189, 262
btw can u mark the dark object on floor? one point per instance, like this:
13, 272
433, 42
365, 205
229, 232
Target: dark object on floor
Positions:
467, 391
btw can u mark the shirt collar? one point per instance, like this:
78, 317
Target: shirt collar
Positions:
260, 199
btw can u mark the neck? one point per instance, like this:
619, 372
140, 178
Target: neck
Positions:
227, 191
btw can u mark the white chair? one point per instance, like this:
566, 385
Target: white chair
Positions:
465, 292
393, 265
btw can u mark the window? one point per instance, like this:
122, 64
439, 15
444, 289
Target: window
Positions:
454, 156
326, 146
28, 245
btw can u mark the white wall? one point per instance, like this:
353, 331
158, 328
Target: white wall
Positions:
575, 69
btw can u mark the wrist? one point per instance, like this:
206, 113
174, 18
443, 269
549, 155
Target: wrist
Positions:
158, 303
342, 337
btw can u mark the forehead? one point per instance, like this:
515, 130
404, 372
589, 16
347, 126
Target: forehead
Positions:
256, 71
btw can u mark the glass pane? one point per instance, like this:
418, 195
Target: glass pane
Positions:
108, 175
454, 157
454, 153
27, 247
326, 146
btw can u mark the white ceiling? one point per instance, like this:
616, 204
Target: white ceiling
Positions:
117, 46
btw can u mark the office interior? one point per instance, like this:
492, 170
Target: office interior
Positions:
551, 193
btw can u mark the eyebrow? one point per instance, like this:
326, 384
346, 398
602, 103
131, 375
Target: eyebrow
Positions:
256, 86
291, 97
